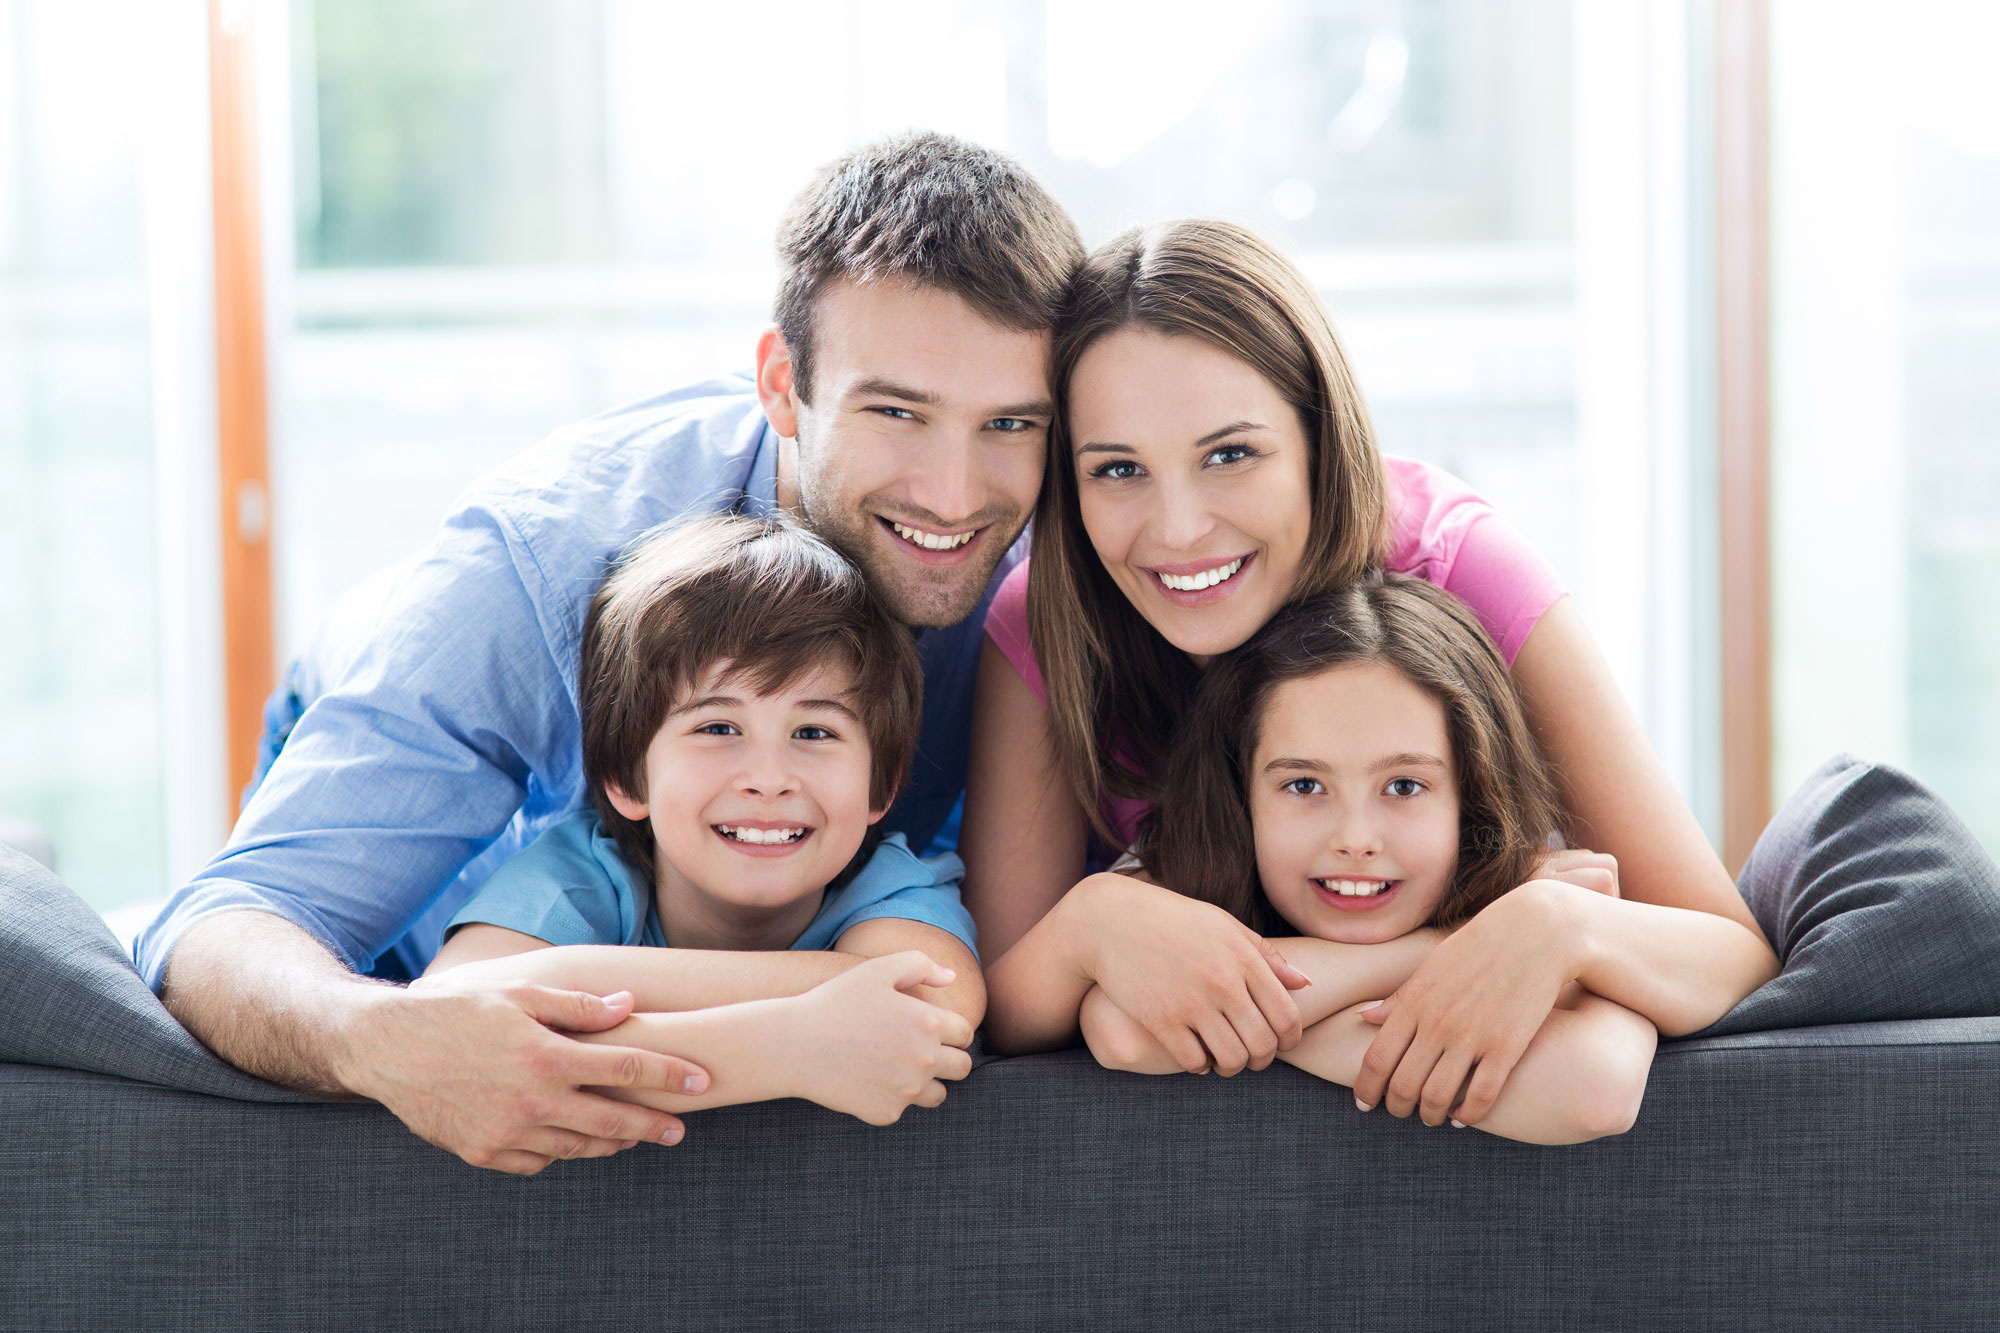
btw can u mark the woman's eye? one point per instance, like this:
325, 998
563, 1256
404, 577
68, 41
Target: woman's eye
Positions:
715, 729
1230, 453
1116, 470
814, 733
1405, 787
1304, 787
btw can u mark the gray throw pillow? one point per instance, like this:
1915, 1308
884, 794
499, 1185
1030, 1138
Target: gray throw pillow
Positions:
70, 997
1880, 903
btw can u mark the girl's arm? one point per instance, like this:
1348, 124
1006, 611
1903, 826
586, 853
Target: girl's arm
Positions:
1581, 1078
679, 980
1479, 1000
1202, 983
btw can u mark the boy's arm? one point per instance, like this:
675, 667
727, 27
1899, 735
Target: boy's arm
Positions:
678, 980
1581, 1078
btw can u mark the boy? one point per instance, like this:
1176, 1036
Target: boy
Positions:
749, 711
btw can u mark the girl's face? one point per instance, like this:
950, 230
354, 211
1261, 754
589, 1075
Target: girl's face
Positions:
1353, 804
1192, 481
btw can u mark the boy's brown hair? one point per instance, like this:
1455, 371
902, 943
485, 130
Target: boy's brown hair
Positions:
934, 211
761, 595
1199, 840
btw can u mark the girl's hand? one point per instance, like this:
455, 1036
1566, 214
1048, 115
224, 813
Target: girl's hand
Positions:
1213, 992
1470, 1010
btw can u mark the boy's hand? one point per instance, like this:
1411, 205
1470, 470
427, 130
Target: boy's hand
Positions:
863, 1042
481, 1068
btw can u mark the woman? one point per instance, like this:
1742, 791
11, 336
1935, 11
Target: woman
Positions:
1215, 462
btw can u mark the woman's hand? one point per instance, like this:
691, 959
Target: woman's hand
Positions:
1470, 1010
1213, 992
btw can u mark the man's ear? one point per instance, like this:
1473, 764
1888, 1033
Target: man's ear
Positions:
774, 383
635, 811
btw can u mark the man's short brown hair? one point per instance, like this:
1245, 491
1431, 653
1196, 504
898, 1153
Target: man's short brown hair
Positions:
761, 596
934, 211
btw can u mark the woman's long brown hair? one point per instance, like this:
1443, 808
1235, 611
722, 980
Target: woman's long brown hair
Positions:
1116, 688
1199, 838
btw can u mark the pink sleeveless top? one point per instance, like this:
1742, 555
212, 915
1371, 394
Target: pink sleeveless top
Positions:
1439, 530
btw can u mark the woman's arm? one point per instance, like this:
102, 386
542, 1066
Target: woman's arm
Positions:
1209, 989
1480, 999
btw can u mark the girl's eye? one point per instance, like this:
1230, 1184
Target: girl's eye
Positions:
716, 729
1226, 454
1405, 787
1303, 787
814, 732
1118, 469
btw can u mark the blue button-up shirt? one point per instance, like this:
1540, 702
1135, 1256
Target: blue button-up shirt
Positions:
440, 733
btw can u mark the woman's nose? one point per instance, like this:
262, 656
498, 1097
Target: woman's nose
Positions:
1182, 518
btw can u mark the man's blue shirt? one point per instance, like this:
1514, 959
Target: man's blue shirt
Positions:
574, 886
439, 733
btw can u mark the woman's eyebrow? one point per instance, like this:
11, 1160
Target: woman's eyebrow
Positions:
1233, 428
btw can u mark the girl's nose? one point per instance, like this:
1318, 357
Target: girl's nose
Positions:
1355, 839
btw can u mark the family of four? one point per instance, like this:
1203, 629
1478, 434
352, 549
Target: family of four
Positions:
640, 791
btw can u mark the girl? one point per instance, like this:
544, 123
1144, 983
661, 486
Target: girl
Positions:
1361, 773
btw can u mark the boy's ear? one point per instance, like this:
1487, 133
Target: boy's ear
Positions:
875, 815
774, 383
635, 811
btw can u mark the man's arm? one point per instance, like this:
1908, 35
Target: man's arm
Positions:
474, 1068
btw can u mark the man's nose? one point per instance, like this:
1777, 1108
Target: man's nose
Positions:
948, 482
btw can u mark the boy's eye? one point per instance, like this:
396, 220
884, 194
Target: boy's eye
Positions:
1405, 787
812, 731
1230, 453
716, 729
1303, 787
1118, 469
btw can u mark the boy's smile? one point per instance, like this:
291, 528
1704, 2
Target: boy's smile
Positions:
756, 801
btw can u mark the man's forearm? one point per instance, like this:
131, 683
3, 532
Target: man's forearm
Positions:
268, 998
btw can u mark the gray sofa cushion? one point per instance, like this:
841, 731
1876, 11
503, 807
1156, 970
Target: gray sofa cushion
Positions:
1840, 1177
70, 997
1879, 901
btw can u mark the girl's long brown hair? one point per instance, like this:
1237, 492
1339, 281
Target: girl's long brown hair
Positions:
1116, 688
1199, 838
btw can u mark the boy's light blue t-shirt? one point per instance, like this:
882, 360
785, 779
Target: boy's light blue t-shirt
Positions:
573, 886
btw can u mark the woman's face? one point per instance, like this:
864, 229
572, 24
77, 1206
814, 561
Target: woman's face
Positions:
1192, 477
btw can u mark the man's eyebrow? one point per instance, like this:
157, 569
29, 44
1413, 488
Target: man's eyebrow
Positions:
1233, 428
881, 388
1034, 407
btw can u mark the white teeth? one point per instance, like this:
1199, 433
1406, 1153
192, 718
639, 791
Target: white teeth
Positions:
761, 836
1351, 888
1208, 578
930, 541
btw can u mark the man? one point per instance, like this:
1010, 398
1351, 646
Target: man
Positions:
901, 405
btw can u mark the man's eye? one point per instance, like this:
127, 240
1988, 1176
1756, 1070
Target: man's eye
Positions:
1011, 425
896, 413
814, 733
1405, 787
1118, 469
1304, 787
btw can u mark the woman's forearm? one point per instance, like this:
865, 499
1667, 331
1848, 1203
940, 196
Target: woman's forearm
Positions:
1035, 990
1344, 975
1682, 969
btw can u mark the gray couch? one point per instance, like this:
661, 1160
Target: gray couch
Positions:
1835, 1175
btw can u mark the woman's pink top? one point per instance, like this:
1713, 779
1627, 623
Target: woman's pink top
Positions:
1439, 530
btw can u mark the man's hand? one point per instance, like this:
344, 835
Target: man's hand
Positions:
1469, 1011
1213, 992
481, 1068
865, 1044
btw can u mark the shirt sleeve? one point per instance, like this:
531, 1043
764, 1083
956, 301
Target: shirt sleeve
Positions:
411, 763
1007, 626
899, 885
569, 886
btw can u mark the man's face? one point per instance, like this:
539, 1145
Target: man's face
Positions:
922, 450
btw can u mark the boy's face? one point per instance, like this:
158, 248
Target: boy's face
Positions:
756, 801
1351, 790
922, 449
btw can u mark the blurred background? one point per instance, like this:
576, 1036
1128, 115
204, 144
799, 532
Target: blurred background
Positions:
1612, 261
